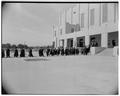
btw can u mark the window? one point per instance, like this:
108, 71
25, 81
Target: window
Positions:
60, 31
104, 13
72, 29
55, 33
82, 20
92, 17
115, 12
77, 27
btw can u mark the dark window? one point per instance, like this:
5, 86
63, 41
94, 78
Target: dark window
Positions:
104, 12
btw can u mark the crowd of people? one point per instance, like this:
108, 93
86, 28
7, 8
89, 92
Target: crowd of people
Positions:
45, 52
53, 51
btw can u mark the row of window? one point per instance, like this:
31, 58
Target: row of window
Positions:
104, 15
92, 15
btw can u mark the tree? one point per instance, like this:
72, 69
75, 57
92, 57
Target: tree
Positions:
13, 46
22, 46
8, 45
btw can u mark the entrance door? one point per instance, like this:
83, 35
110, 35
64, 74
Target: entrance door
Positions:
112, 36
80, 41
70, 42
96, 39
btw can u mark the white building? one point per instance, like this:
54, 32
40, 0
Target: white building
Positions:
85, 21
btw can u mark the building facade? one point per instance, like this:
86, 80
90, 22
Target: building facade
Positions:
84, 22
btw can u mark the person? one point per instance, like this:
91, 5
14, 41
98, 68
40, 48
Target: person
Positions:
66, 51
94, 43
41, 52
22, 53
8, 52
62, 51
83, 50
3, 53
30, 53
16, 53
70, 51
76, 51
47, 51
52, 52
58, 51
55, 51
113, 43
87, 49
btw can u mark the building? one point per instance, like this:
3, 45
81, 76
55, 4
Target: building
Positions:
84, 22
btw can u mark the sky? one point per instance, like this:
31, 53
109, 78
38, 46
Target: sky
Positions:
30, 23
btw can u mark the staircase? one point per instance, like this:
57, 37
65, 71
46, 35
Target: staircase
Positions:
106, 52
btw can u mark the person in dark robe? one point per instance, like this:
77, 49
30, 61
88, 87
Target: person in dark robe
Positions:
70, 51
58, 51
87, 49
76, 51
8, 53
16, 53
113, 43
47, 52
22, 53
30, 53
3, 53
51, 52
55, 51
66, 51
84, 50
39, 52
62, 51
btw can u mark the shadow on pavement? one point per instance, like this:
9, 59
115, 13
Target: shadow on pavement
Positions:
37, 59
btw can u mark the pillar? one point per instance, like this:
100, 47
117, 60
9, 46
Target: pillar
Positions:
104, 40
65, 43
87, 40
74, 42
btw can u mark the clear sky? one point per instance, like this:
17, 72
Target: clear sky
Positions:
30, 23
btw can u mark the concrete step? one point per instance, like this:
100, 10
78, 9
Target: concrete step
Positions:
106, 52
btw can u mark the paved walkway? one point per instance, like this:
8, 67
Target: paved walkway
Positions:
61, 75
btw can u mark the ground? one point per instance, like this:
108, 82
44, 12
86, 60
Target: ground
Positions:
61, 75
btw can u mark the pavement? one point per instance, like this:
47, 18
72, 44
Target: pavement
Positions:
61, 75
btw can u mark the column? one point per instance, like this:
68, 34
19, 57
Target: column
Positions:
74, 42
104, 40
65, 43
87, 40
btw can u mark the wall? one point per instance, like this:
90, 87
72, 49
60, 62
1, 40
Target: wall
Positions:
98, 28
